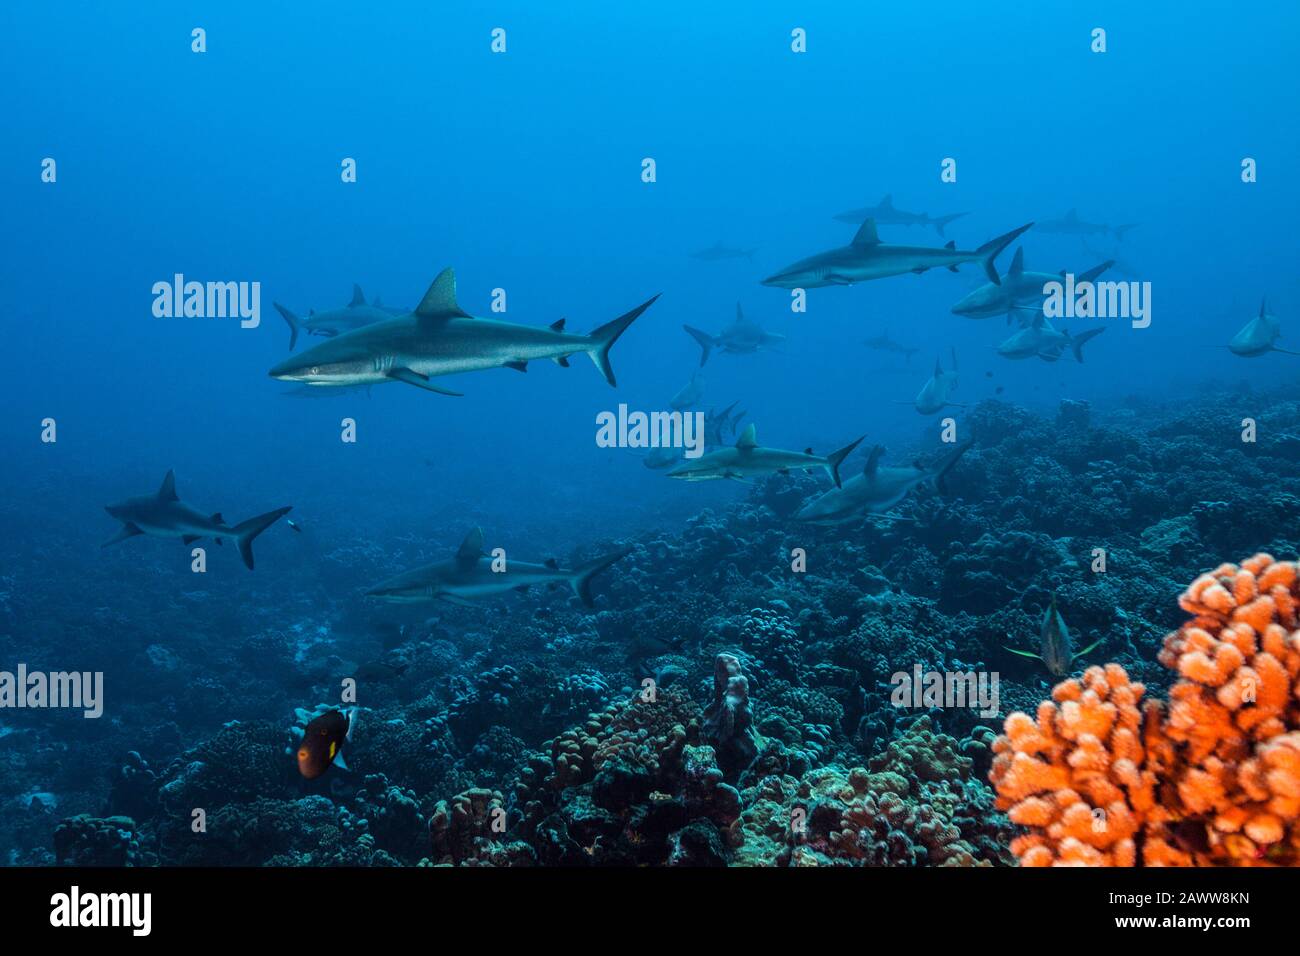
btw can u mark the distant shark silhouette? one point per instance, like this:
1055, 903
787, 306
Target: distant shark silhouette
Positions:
164, 515
866, 258
470, 575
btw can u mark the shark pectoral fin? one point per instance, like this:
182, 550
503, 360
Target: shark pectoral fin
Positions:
128, 531
517, 366
1021, 653
1090, 647
190, 538
562, 361
419, 381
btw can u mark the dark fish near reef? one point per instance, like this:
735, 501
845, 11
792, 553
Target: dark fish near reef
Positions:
322, 744
164, 515
470, 574
1058, 654
380, 671
293, 524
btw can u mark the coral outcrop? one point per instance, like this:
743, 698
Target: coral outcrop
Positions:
1212, 777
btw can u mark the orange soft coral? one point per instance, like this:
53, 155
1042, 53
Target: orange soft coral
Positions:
1211, 779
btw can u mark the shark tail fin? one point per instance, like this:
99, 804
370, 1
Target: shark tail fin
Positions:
293, 324
603, 338
246, 531
581, 580
1120, 230
945, 466
1077, 342
991, 249
705, 340
836, 458
942, 221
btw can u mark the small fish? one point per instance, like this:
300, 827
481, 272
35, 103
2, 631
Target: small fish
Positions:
293, 524
322, 744
1058, 655
380, 671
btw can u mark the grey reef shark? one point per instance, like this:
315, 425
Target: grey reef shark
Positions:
718, 252
470, 575
1020, 293
867, 258
1257, 337
164, 515
936, 393
331, 322
747, 459
886, 214
1071, 225
742, 337
877, 489
440, 338
1040, 340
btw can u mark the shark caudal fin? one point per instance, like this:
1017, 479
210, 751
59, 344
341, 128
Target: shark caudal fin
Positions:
581, 579
942, 221
1077, 342
293, 324
603, 338
991, 249
246, 531
1120, 230
836, 458
705, 340
945, 466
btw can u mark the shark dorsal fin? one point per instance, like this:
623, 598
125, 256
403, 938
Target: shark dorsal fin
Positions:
358, 298
867, 234
557, 325
168, 490
748, 438
471, 549
873, 460
440, 301
887, 202
740, 316
1017, 262
938, 367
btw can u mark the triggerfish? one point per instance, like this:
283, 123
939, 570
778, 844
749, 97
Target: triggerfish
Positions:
322, 744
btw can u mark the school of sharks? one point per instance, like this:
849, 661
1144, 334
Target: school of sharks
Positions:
849, 481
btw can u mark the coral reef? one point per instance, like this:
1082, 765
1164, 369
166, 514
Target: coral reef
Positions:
1210, 778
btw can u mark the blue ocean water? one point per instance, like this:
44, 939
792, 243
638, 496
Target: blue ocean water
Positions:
523, 170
